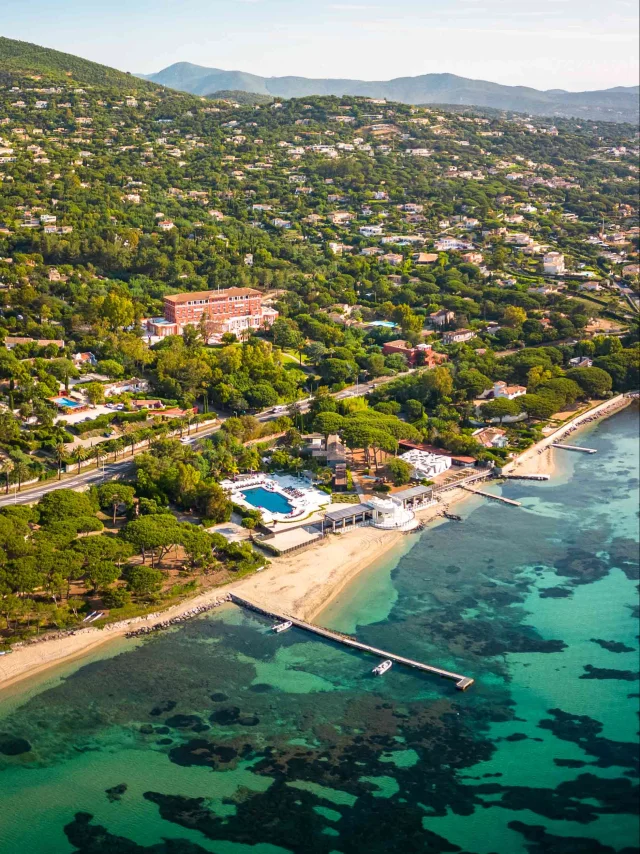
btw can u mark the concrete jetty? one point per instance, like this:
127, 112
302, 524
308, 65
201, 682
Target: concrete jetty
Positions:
493, 496
462, 682
526, 476
574, 448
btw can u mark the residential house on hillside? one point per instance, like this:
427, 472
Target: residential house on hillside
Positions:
510, 392
332, 449
122, 386
442, 318
147, 404
491, 437
12, 340
392, 258
420, 258
458, 336
581, 362
83, 360
553, 264
422, 354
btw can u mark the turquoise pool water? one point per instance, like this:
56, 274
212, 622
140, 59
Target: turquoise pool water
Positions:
271, 501
67, 402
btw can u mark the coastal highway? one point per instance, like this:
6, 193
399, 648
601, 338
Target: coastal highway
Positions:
87, 476
111, 471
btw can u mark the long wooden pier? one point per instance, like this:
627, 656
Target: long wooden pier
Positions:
574, 448
493, 496
462, 682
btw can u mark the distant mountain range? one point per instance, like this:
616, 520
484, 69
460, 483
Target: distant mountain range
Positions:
619, 104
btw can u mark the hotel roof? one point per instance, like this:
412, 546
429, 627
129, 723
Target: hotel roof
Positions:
211, 295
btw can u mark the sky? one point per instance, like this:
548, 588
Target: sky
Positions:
547, 44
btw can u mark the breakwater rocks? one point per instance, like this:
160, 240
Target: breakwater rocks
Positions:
590, 417
174, 621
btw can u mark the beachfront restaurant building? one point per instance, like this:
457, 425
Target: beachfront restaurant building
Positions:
346, 516
390, 512
415, 497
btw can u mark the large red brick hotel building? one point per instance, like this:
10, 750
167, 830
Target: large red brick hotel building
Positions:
230, 310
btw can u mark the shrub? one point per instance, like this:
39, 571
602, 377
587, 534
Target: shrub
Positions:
116, 597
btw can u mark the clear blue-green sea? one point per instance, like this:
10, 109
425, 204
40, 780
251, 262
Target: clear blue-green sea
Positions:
219, 736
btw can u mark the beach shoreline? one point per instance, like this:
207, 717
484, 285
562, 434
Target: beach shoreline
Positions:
302, 584
539, 458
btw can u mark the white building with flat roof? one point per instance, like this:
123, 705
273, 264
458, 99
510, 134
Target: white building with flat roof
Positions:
425, 464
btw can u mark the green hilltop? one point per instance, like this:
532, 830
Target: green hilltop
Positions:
240, 97
26, 58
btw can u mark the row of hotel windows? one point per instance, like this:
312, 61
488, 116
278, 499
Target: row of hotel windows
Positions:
206, 301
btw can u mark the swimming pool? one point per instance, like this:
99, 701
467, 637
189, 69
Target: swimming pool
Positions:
67, 403
386, 324
271, 501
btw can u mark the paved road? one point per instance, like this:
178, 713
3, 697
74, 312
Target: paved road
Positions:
111, 471
86, 477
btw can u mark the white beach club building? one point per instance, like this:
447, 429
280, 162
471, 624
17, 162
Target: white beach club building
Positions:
425, 464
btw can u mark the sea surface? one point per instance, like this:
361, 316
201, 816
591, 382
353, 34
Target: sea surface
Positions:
220, 736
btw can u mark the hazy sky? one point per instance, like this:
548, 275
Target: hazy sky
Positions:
572, 44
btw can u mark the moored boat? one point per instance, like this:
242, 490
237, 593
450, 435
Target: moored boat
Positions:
382, 668
282, 627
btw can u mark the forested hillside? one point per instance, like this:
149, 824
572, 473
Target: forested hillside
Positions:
17, 56
441, 256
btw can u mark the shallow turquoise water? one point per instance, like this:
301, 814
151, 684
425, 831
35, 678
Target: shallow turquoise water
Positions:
226, 738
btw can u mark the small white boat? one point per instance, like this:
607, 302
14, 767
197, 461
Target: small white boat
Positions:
282, 627
382, 668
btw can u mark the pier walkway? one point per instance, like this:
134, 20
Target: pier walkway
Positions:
462, 682
492, 495
526, 476
574, 448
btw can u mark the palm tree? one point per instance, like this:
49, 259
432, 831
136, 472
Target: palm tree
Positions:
21, 471
60, 453
78, 455
6, 467
97, 453
116, 445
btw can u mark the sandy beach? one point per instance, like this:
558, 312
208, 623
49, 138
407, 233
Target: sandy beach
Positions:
301, 584
540, 459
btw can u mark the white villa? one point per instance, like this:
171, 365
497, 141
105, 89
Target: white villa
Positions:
510, 392
426, 465
553, 264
